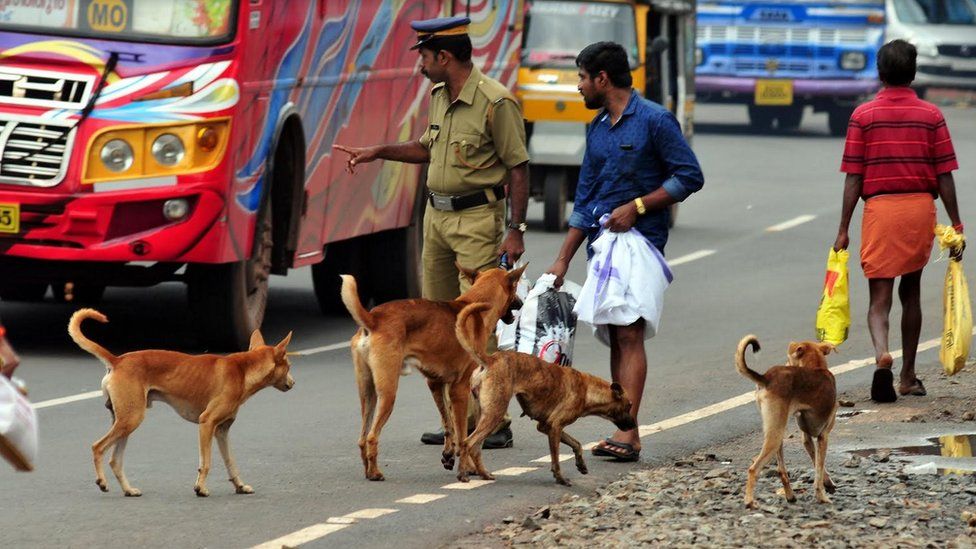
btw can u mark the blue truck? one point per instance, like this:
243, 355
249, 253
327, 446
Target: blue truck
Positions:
777, 57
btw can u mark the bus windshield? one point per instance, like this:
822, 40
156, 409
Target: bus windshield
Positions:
936, 12
168, 21
556, 31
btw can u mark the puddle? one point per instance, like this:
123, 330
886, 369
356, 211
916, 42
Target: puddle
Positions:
955, 451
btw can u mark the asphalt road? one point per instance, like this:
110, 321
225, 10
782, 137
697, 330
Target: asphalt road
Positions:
298, 450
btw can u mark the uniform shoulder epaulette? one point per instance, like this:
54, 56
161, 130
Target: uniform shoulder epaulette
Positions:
495, 91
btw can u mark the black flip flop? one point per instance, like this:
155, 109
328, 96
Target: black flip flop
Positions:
917, 389
882, 386
629, 454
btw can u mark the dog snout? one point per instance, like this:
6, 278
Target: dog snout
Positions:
288, 384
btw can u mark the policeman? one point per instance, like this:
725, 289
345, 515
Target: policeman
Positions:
474, 144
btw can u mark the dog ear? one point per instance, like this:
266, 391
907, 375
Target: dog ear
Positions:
618, 391
257, 340
281, 349
827, 348
516, 275
470, 274
796, 349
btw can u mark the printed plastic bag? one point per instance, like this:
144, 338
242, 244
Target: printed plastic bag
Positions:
18, 427
957, 331
625, 280
506, 333
546, 325
834, 313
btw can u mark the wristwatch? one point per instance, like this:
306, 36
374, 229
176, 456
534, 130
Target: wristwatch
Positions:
520, 227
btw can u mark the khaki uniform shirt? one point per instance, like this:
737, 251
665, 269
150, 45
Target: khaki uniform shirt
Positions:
474, 140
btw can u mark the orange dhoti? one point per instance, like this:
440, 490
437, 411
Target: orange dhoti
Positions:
897, 234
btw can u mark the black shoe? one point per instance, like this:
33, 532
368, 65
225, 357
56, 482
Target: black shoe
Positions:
435, 438
882, 386
500, 439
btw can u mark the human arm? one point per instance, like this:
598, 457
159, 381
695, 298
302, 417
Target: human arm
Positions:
947, 191
507, 128
852, 192
574, 238
518, 193
413, 152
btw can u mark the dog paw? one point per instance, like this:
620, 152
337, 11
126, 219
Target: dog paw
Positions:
830, 487
791, 499
245, 489
101, 485
822, 498
447, 460
133, 493
487, 476
201, 491
581, 467
563, 481
750, 504
376, 477
463, 478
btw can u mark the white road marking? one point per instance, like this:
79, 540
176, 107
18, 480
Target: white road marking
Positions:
514, 471
694, 256
369, 513
340, 520
421, 498
798, 220
67, 399
470, 485
322, 349
304, 535
744, 398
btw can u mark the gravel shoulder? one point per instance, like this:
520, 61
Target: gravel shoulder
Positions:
881, 501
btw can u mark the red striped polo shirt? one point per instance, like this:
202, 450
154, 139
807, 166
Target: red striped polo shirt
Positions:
899, 143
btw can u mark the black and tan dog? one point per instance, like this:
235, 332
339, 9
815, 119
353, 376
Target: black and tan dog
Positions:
804, 387
554, 396
420, 333
203, 389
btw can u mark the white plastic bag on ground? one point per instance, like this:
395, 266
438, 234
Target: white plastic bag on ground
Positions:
625, 281
546, 325
18, 427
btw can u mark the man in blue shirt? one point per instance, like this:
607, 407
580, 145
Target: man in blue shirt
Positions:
637, 164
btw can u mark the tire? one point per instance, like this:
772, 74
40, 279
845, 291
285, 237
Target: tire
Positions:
837, 120
29, 291
394, 258
228, 301
346, 257
789, 118
82, 294
555, 191
761, 118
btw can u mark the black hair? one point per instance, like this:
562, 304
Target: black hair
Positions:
608, 57
459, 46
896, 63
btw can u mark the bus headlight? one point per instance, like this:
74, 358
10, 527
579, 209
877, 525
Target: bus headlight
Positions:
168, 150
853, 61
699, 56
117, 155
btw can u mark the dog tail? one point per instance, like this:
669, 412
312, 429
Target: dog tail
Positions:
350, 298
740, 360
74, 330
466, 335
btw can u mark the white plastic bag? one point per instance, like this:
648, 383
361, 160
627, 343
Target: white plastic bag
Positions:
506, 333
18, 427
625, 281
546, 325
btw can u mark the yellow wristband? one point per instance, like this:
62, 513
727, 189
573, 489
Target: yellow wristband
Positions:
641, 210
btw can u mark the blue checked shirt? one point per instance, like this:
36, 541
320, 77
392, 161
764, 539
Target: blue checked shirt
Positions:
644, 151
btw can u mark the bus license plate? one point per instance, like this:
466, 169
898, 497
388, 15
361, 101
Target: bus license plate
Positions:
9, 218
774, 92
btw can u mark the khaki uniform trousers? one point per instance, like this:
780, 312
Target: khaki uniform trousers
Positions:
471, 237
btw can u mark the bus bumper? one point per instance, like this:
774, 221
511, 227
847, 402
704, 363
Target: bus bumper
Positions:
731, 89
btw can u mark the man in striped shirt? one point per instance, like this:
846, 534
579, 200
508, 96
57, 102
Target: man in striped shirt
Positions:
898, 158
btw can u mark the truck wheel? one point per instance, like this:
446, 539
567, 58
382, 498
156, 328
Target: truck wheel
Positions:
761, 118
555, 190
346, 257
82, 294
30, 291
837, 120
228, 301
789, 118
395, 265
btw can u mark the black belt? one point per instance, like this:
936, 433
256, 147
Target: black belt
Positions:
464, 202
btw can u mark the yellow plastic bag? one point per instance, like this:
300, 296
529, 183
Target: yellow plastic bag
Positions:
834, 313
957, 330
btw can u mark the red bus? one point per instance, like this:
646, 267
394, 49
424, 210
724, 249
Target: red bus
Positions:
144, 141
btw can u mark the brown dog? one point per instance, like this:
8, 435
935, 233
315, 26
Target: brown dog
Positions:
554, 396
204, 389
806, 388
420, 333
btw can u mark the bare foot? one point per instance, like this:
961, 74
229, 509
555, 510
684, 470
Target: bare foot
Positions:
885, 361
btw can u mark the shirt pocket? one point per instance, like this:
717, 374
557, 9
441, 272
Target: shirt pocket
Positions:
628, 159
471, 151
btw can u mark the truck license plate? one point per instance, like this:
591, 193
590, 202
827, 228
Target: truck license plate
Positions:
9, 218
774, 92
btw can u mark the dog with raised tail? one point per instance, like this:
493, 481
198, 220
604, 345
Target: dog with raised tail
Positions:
804, 387
203, 389
554, 396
